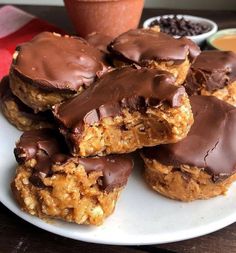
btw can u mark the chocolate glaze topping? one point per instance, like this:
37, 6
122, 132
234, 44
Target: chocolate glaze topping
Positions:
116, 169
7, 95
142, 45
55, 62
99, 41
213, 70
39, 144
47, 147
4, 88
210, 144
128, 87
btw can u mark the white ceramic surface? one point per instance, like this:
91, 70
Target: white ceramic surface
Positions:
141, 216
198, 39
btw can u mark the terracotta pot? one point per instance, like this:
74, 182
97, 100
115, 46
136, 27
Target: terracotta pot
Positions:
111, 17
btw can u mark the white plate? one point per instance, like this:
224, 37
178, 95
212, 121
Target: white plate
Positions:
141, 216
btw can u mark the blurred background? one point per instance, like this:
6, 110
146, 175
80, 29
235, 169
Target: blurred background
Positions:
173, 4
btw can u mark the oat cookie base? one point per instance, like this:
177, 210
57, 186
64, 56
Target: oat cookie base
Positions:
179, 71
186, 183
21, 121
34, 97
227, 94
69, 194
133, 130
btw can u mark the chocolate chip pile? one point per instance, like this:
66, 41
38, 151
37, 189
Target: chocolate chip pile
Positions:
179, 26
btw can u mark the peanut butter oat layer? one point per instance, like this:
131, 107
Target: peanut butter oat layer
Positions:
49, 183
147, 47
203, 164
214, 74
126, 109
19, 114
50, 68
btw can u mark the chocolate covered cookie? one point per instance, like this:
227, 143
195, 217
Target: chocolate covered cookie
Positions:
202, 165
146, 47
20, 115
51, 183
214, 74
51, 68
126, 109
101, 41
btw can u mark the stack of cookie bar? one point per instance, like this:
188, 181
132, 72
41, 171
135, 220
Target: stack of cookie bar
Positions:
86, 105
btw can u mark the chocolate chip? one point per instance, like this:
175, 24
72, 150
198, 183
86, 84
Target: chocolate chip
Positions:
179, 26
123, 128
36, 180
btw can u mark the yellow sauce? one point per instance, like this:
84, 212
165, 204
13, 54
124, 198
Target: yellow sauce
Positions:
227, 42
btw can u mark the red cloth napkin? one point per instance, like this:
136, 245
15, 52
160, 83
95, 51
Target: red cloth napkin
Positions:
17, 26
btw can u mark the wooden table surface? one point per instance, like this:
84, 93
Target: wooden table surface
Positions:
18, 236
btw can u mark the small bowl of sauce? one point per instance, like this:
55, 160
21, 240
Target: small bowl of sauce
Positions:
224, 40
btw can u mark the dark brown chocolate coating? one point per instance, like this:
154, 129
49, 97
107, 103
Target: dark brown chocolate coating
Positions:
116, 169
210, 144
99, 41
212, 70
128, 87
4, 88
39, 145
48, 148
54, 62
143, 45
7, 95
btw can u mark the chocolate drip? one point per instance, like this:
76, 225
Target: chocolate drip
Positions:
210, 144
55, 62
145, 45
212, 70
131, 88
7, 95
48, 149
